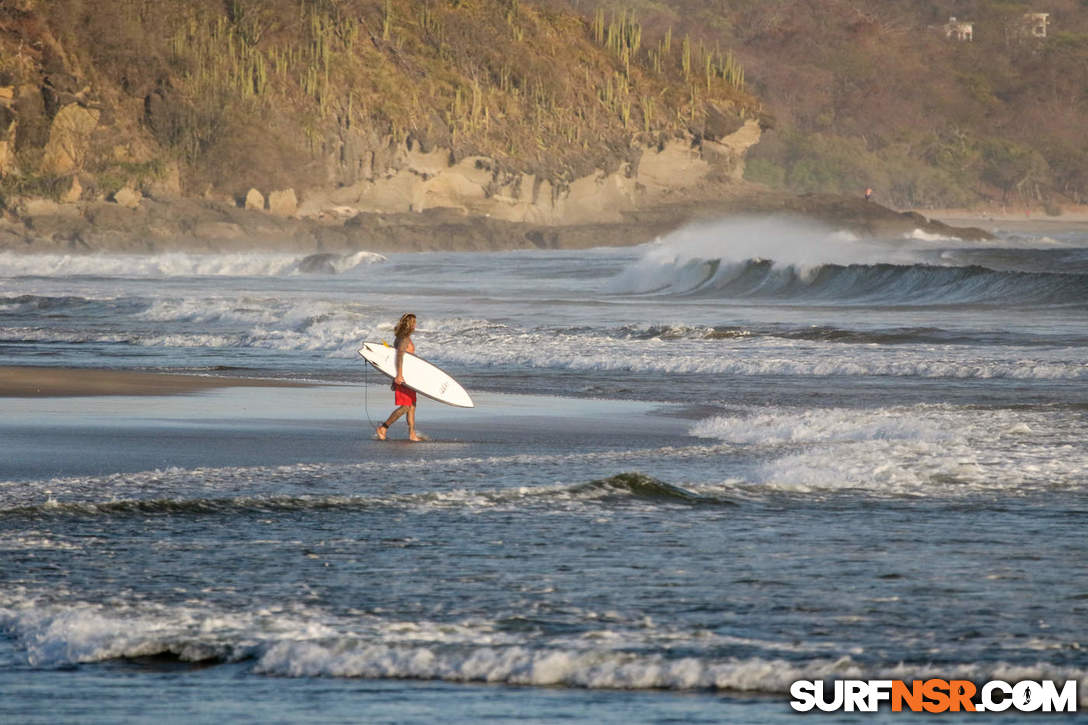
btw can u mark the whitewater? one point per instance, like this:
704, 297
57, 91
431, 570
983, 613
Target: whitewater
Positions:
751, 452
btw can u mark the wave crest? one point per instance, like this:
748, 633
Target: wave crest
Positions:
309, 643
774, 260
633, 486
914, 284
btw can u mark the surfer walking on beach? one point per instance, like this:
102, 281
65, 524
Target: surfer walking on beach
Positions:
403, 396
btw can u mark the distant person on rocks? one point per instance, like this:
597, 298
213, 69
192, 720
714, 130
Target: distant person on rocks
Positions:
403, 396
868, 194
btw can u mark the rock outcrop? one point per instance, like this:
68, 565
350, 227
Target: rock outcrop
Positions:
418, 181
283, 202
214, 226
254, 200
127, 197
69, 140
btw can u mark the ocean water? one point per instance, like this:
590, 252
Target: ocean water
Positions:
751, 452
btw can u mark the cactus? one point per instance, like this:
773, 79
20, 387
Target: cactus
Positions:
623, 35
387, 20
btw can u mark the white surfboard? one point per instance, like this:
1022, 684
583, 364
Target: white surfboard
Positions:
419, 375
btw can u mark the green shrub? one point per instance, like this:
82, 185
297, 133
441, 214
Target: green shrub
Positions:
764, 171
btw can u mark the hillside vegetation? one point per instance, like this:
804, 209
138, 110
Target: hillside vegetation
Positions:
216, 96
871, 93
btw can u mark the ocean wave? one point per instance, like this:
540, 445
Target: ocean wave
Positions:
612, 670
770, 260
829, 333
617, 489
1019, 259
336, 330
306, 642
546, 476
182, 264
885, 284
776, 426
763, 358
923, 450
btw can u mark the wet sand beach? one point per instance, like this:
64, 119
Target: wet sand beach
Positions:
20, 382
128, 422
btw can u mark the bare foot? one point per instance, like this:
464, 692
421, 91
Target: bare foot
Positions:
382, 430
417, 438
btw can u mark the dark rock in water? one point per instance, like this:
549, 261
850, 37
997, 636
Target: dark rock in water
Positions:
640, 485
324, 263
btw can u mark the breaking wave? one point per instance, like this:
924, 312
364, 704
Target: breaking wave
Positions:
771, 260
306, 642
830, 333
916, 284
923, 450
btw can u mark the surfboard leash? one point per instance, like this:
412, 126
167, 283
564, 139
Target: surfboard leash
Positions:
366, 394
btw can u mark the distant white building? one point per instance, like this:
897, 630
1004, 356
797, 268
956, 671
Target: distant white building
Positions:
959, 30
1035, 24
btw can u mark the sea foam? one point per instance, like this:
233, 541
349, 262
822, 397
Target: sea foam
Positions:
307, 642
181, 264
924, 450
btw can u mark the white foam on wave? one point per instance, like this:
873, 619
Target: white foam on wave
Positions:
307, 642
292, 324
681, 260
819, 426
53, 636
525, 666
910, 450
39, 334
172, 264
213, 309
612, 670
931, 237
338, 328
743, 356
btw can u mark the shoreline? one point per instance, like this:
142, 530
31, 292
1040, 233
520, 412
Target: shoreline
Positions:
45, 382
1009, 219
196, 225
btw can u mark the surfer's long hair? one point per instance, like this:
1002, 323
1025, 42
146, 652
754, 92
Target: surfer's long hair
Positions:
405, 325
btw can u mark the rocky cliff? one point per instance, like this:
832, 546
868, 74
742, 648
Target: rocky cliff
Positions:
137, 124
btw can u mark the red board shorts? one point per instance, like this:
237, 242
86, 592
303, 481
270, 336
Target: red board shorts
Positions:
403, 395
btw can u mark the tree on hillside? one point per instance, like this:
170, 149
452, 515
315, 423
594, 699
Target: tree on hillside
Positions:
1012, 167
